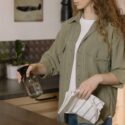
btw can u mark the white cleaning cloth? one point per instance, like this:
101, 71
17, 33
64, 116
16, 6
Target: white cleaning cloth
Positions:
87, 109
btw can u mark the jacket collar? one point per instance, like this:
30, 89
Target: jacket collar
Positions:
77, 19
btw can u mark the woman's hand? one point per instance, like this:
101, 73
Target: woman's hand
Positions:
18, 73
36, 68
88, 86
18, 76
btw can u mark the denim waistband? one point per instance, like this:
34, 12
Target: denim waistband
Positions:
71, 119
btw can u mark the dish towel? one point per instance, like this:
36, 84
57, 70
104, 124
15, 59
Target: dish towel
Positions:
87, 109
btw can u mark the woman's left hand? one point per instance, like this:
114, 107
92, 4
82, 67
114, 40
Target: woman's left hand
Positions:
88, 86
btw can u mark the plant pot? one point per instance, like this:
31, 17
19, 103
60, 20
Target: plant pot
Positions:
11, 71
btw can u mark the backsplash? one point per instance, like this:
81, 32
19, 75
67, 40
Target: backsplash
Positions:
33, 49
32, 53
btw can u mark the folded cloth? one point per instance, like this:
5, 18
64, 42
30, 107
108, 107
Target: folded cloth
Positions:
88, 109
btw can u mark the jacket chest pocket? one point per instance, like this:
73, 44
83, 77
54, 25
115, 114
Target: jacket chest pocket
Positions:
97, 61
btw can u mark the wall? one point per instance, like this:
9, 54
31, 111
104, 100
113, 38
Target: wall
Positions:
10, 30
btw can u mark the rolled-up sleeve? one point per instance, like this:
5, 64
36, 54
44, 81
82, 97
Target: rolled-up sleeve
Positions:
118, 57
51, 58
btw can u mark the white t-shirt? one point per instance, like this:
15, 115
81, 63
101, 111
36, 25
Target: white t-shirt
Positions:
85, 26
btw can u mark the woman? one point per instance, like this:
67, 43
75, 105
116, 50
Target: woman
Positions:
88, 54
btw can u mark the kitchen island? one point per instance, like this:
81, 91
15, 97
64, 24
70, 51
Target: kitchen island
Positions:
15, 94
13, 115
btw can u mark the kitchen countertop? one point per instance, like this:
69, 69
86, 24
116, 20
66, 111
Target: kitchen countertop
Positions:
11, 89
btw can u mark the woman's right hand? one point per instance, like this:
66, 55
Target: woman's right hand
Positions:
19, 77
21, 71
35, 69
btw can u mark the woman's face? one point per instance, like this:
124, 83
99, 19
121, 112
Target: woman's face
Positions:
81, 4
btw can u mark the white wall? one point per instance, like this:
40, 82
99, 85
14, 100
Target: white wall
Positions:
10, 30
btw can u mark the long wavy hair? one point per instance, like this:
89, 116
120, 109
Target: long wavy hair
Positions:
107, 11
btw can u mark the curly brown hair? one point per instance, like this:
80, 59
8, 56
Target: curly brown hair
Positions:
107, 11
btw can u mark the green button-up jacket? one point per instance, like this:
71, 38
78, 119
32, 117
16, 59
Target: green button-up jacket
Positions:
93, 57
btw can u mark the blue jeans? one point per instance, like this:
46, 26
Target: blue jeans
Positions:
71, 119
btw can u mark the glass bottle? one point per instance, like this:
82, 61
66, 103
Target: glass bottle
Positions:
33, 86
31, 83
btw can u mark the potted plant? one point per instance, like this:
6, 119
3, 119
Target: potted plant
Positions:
17, 60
